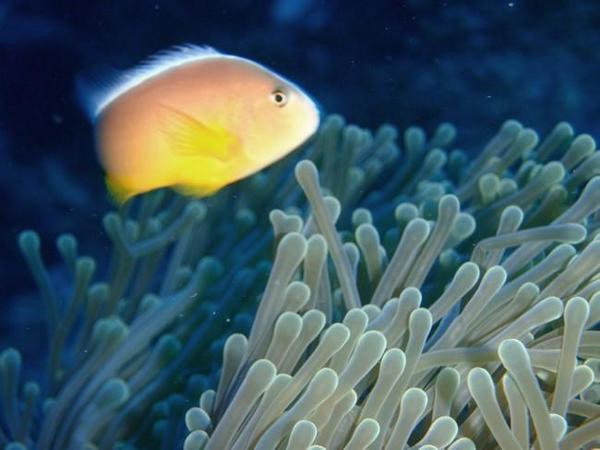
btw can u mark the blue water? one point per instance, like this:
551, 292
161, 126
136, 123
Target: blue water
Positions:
403, 62
472, 63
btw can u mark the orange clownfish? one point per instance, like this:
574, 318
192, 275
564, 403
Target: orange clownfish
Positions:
196, 120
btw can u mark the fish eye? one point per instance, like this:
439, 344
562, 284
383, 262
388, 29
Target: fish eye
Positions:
279, 97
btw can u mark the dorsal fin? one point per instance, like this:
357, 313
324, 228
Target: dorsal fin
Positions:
93, 86
97, 93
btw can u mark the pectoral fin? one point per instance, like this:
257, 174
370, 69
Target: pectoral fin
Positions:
190, 137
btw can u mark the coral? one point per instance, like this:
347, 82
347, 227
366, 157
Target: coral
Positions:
415, 297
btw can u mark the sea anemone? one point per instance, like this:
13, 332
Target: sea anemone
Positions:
417, 298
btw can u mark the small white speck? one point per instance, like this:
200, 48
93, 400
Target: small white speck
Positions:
228, 320
488, 96
511, 4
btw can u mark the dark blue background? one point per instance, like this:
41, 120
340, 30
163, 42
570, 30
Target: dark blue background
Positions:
473, 63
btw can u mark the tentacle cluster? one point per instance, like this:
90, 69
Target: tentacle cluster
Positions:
423, 343
392, 293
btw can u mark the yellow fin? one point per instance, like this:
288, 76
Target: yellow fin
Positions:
190, 137
116, 191
196, 190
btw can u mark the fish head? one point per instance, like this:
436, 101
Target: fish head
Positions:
281, 117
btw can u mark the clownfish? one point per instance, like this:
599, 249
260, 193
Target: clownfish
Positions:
195, 120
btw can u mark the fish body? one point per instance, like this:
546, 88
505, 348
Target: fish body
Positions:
197, 120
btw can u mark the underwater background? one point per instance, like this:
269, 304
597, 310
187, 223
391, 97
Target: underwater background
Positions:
474, 64
401, 62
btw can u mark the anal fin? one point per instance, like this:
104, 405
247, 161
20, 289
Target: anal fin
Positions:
117, 192
196, 190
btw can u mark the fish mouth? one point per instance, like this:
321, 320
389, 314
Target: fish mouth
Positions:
316, 115
310, 136
311, 128
310, 139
